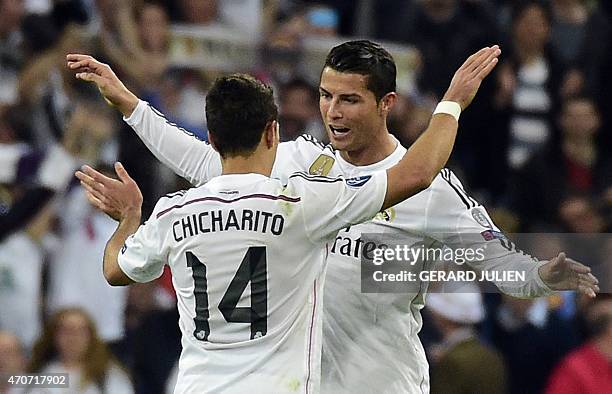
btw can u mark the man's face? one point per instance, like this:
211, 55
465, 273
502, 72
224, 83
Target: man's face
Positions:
580, 118
349, 110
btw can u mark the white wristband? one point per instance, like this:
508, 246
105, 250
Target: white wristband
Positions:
448, 107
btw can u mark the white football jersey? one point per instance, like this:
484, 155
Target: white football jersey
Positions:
247, 255
370, 341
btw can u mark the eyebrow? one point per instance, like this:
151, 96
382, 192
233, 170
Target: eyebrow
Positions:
343, 96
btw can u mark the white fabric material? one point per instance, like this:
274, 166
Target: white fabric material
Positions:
9, 160
450, 108
370, 340
21, 263
75, 272
57, 169
116, 382
194, 233
463, 308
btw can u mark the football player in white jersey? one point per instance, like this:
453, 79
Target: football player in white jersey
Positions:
247, 252
370, 340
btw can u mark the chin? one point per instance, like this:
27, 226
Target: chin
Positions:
339, 145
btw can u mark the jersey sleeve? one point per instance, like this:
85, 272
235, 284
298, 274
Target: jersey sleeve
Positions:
331, 204
188, 156
141, 258
459, 221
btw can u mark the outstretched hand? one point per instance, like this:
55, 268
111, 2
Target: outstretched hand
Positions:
563, 273
118, 198
469, 76
114, 91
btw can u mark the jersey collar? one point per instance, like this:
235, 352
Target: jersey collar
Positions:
234, 180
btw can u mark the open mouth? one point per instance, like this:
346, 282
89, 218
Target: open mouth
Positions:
339, 130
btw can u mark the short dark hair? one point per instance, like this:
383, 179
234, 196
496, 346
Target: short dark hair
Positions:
238, 108
366, 58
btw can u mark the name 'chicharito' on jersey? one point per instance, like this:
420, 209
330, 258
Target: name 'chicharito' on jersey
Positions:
218, 220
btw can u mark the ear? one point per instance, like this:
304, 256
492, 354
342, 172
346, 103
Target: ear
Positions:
388, 102
271, 134
211, 141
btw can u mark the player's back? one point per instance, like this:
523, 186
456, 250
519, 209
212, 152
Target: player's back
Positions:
247, 279
247, 255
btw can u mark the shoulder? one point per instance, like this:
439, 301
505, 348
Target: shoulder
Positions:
170, 201
309, 139
306, 143
449, 188
305, 177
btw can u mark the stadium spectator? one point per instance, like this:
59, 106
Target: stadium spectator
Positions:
578, 214
74, 271
578, 165
48, 91
141, 50
409, 118
240, 16
11, 39
587, 370
299, 111
153, 340
526, 99
568, 28
430, 28
461, 363
532, 339
31, 177
70, 344
179, 95
12, 361
30, 180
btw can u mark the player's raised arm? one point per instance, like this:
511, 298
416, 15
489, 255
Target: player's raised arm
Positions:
114, 91
428, 155
178, 149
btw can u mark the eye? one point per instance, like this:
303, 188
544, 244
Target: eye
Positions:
324, 94
350, 100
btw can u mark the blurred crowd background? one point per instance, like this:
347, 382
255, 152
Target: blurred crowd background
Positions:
531, 148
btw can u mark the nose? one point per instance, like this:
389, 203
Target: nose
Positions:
333, 111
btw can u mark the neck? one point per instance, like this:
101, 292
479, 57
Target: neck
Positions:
71, 363
373, 152
527, 55
252, 164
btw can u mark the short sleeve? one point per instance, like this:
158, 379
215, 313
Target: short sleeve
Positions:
331, 204
140, 258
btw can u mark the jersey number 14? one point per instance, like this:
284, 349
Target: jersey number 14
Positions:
253, 269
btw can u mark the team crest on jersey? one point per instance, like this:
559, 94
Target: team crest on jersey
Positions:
490, 235
322, 166
481, 218
387, 215
358, 181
